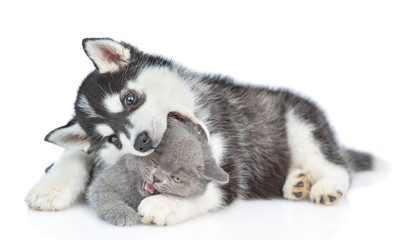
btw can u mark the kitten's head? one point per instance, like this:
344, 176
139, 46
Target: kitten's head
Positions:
182, 164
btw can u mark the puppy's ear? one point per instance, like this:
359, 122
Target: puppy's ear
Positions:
70, 136
107, 54
215, 173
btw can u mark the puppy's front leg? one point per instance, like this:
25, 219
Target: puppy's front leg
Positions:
165, 209
62, 184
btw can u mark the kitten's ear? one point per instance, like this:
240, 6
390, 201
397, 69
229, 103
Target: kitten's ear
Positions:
70, 136
215, 173
107, 54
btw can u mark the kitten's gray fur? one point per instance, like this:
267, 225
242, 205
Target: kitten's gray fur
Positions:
182, 165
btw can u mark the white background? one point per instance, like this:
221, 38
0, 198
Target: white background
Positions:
352, 57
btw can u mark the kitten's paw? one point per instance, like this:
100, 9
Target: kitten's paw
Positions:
121, 216
160, 210
51, 196
326, 192
297, 185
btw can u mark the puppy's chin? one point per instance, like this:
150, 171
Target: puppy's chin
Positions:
143, 154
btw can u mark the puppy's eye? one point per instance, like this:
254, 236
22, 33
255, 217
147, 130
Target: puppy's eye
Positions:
176, 179
130, 99
113, 139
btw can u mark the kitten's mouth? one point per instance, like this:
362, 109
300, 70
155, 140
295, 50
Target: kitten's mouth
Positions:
148, 188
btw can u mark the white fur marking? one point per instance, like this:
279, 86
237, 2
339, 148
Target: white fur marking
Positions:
85, 107
164, 86
126, 143
110, 154
113, 104
104, 129
305, 151
218, 147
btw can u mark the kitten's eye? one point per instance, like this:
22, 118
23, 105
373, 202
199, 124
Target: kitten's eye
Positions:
176, 179
130, 99
113, 139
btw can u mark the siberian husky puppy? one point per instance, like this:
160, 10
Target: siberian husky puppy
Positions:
271, 142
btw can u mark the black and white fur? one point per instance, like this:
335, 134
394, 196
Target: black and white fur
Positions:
272, 142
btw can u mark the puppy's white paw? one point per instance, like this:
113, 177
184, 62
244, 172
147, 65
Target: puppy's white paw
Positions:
62, 184
297, 185
327, 191
161, 210
51, 196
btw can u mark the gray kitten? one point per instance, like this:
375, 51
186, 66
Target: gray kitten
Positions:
182, 165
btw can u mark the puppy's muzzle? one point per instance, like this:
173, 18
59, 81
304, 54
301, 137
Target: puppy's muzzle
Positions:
143, 142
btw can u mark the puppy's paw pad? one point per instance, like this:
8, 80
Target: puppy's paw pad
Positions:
297, 185
325, 193
328, 199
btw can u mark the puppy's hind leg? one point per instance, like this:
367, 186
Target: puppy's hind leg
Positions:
62, 184
330, 181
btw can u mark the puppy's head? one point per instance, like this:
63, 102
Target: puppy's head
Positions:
122, 106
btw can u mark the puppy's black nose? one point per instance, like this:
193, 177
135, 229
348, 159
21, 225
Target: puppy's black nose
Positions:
143, 142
